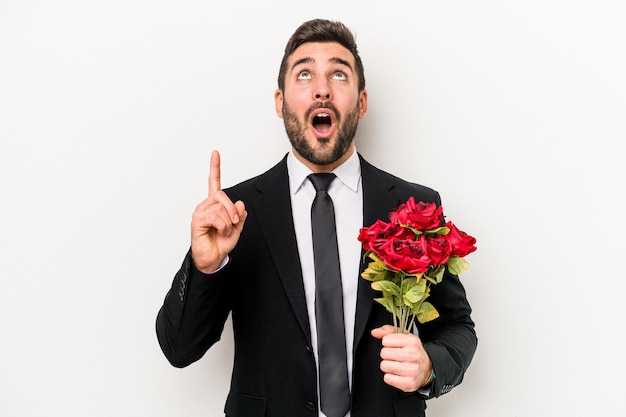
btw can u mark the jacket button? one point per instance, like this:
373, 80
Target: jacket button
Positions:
310, 406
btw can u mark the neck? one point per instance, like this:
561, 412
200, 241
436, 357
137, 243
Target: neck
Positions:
324, 168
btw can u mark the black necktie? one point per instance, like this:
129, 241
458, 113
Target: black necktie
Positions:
331, 340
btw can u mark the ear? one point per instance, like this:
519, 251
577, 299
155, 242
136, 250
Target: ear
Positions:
278, 102
362, 104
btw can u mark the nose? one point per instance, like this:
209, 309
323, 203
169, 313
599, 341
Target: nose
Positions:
322, 90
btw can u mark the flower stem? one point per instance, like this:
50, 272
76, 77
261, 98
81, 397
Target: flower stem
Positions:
410, 328
395, 316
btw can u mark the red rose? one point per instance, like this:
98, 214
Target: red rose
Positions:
420, 216
439, 250
380, 233
413, 243
406, 255
460, 242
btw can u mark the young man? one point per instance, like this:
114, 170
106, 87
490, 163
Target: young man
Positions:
253, 255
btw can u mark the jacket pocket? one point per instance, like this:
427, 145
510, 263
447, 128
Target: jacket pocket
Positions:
240, 405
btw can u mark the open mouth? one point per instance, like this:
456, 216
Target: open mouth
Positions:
322, 122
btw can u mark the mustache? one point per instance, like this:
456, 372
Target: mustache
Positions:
321, 105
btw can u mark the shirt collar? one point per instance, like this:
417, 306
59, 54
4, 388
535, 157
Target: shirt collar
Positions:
349, 173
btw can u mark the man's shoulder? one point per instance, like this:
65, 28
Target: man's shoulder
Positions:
273, 177
401, 186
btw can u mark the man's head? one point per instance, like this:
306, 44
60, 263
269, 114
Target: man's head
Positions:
320, 30
321, 93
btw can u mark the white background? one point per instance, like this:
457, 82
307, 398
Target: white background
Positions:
513, 110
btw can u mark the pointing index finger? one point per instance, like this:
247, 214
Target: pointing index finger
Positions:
215, 173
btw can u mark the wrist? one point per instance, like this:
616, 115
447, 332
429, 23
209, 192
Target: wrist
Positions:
431, 378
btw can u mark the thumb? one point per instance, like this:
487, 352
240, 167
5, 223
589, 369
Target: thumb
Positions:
383, 331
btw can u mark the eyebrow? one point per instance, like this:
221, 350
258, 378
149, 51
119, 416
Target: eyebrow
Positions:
334, 60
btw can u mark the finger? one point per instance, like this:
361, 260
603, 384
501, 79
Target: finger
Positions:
215, 178
220, 213
241, 212
234, 210
398, 340
403, 383
383, 331
221, 199
407, 353
407, 369
214, 216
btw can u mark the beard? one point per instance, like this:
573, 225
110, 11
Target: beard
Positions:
323, 153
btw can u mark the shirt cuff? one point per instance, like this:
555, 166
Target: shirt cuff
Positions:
222, 265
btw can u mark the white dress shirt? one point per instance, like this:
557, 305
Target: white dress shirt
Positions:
346, 192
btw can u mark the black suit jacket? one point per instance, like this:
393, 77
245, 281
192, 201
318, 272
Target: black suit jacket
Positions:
274, 372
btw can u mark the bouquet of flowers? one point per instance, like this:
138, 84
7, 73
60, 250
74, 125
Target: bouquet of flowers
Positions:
409, 254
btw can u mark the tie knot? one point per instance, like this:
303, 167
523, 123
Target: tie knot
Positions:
321, 181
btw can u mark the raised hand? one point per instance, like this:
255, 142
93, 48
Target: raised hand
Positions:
216, 223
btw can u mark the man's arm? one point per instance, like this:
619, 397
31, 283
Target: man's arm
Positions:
193, 314
450, 340
194, 311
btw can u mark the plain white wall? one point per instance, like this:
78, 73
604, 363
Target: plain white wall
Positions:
513, 110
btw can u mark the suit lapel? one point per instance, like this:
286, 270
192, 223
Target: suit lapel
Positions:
379, 199
273, 205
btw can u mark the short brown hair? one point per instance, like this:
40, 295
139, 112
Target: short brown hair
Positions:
320, 30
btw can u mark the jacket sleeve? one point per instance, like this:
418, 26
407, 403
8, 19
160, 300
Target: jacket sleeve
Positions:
450, 340
193, 314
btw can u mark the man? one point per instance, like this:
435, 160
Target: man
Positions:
252, 255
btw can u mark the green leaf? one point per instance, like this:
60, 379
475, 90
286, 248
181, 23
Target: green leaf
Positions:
415, 231
426, 312
415, 308
387, 287
373, 274
436, 275
386, 302
376, 259
376, 270
457, 265
439, 231
415, 293
416, 275
408, 282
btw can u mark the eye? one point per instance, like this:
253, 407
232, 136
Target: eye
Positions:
304, 75
339, 76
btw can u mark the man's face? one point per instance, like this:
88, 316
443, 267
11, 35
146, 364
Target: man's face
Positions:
321, 104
